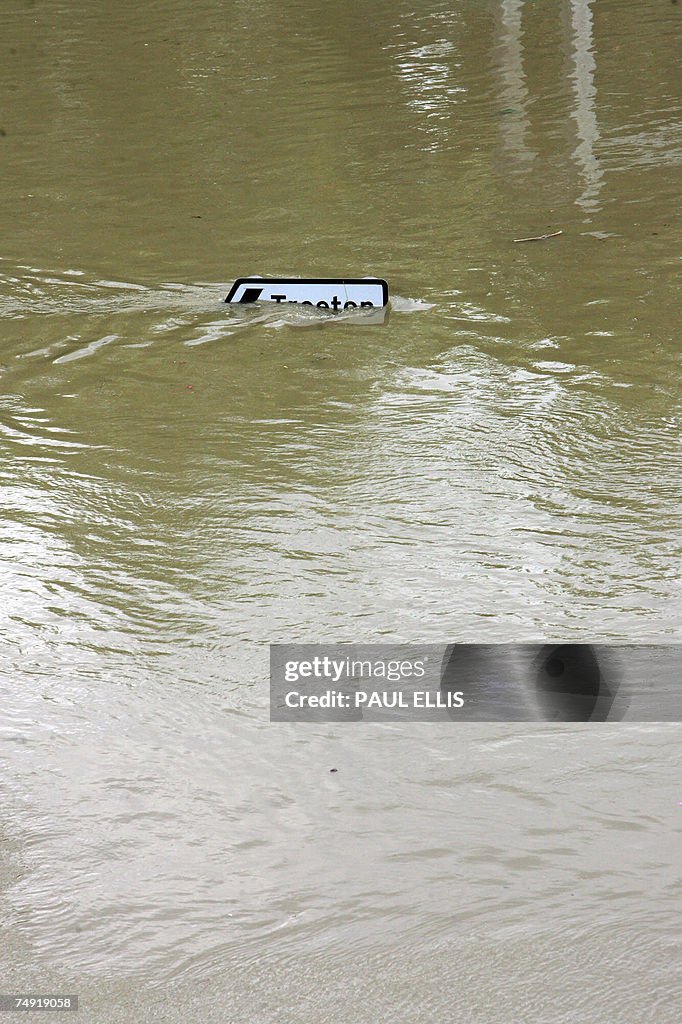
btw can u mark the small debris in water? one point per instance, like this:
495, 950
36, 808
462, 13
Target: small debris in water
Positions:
538, 238
333, 769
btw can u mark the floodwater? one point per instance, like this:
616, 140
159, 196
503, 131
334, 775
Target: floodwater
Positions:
182, 484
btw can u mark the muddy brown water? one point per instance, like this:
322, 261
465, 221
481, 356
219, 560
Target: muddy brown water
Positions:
182, 484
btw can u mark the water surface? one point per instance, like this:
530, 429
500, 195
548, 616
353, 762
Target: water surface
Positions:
182, 484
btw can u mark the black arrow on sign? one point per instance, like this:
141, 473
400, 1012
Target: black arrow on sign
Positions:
251, 294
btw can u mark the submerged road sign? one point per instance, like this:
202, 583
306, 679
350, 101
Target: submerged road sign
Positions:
335, 294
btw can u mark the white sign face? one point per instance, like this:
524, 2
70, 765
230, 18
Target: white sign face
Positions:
324, 293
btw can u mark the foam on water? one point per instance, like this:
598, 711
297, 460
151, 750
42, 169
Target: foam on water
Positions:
195, 311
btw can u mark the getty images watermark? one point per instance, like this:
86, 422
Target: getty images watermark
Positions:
380, 683
475, 682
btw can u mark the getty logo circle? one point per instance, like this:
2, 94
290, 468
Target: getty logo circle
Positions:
535, 682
